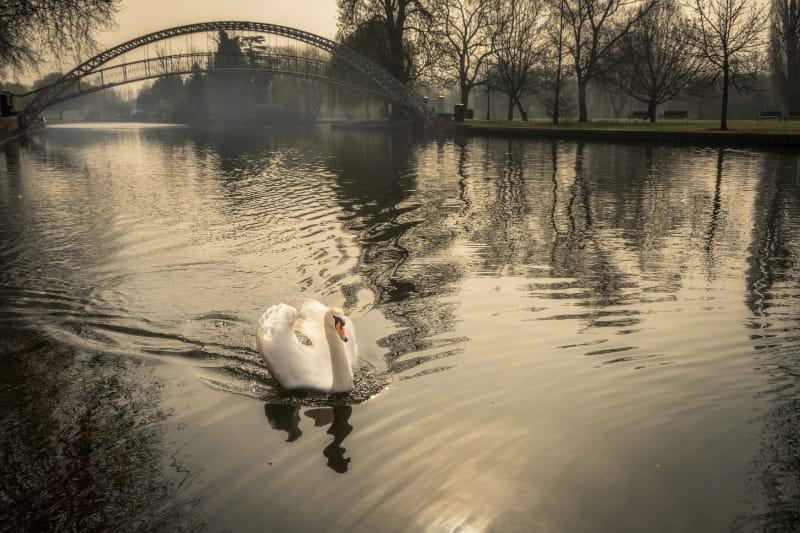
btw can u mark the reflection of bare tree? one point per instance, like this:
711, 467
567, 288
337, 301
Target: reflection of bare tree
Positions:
772, 283
775, 233
579, 252
81, 446
403, 232
602, 216
519, 230
716, 205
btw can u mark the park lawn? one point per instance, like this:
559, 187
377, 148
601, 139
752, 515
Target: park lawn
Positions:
678, 126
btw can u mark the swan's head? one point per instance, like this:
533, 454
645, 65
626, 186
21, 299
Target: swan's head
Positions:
337, 321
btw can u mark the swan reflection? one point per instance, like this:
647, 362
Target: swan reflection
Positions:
287, 418
284, 418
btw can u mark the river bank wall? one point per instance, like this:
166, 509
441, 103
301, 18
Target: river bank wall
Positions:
9, 128
715, 138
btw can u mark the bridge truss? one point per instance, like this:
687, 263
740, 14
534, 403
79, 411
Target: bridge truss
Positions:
346, 68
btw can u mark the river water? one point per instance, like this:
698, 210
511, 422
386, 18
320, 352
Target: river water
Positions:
554, 336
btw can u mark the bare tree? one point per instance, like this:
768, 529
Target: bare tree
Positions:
728, 36
312, 92
784, 48
656, 62
311, 95
403, 22
463, 31
595, 27
398, 18
554, 72
33, 30
517, 49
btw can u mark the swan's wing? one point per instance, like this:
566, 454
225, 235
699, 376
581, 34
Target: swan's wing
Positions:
295, 365
310, 322
274, 333
274, 320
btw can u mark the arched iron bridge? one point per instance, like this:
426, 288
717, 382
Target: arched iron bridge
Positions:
346, 68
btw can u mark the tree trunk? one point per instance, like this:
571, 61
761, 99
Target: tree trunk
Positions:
398, 113
583, 114
651, 109
522, 111
723, 120
792, 95
616, 98
510, 108
465, 94
396, 66
557, 98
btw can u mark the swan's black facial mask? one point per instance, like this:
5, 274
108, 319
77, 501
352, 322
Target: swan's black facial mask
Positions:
338, 323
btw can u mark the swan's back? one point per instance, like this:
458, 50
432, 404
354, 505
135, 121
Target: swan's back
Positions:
296, 364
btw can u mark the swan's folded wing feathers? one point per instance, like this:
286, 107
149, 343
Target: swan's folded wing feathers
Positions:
310, 322
276, 319
313, 311
280, 315
293, 364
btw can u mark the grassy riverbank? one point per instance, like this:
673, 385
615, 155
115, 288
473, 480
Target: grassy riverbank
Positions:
675, 126
704, 132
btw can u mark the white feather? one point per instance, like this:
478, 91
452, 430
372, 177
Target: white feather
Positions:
299, 365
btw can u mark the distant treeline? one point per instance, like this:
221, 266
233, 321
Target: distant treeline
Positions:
560, 53
232, 97
514, 58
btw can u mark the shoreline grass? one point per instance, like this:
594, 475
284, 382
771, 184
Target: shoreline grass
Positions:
751, 127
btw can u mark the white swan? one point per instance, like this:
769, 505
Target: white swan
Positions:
323, 361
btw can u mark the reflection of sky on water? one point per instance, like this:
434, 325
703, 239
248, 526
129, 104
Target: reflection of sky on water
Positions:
557, 318
627, 248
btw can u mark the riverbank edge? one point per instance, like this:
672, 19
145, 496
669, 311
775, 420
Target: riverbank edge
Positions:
715, 138
372, 125
9, 132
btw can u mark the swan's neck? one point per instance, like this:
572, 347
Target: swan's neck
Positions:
340, 364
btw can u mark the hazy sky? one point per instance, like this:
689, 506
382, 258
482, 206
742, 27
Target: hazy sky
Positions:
138, 17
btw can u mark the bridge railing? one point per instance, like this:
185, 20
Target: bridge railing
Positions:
208, 62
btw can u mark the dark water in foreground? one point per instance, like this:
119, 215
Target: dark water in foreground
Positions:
555, 336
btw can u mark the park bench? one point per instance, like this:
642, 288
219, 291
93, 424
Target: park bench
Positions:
792, 115
640, 115
675, 115
770, 115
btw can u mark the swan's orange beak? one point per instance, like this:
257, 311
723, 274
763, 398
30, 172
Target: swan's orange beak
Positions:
338, 323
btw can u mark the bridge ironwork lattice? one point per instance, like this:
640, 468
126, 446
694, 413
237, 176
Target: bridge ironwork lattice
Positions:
362, 74
194, 62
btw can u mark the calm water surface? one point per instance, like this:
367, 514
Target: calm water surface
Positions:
554, 336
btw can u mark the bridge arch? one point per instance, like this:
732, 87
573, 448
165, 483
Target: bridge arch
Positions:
384, 85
